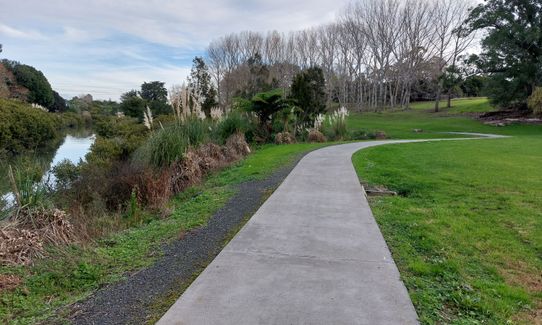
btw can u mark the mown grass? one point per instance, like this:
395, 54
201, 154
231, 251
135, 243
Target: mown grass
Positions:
401, 124
459, 106
466, 230
71, 274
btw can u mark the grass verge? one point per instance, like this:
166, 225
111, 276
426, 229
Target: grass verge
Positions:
466, 229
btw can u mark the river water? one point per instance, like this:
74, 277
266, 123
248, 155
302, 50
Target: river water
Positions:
74, 147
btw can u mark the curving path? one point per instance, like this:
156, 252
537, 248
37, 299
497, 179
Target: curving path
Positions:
312, 254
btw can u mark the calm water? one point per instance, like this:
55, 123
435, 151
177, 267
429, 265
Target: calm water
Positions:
73, 148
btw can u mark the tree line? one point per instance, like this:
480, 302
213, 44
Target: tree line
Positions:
374, 55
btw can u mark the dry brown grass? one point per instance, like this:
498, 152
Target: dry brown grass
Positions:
284, 138
316, 136
198, 162
9, 282
23, 239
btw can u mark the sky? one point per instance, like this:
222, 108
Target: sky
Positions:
107, 47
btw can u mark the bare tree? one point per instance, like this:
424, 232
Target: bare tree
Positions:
373, 56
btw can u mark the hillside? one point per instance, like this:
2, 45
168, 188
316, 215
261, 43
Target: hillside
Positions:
9, 87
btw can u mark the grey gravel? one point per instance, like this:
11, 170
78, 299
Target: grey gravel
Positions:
131, 301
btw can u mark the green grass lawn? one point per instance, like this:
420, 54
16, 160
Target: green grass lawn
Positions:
459, 106
466, 229
75, 272
401, 124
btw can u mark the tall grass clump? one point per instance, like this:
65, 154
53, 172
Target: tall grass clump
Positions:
232, 123
336, 124
535, 101
27, 186
169, 144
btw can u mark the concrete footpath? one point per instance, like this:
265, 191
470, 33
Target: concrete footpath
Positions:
312, 254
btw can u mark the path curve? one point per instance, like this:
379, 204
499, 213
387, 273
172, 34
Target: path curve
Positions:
312, 254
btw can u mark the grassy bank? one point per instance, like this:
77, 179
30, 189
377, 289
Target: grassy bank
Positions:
459, 106
402, 124
466, 229
76, 271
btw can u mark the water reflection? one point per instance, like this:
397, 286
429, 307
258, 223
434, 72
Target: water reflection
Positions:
73, 148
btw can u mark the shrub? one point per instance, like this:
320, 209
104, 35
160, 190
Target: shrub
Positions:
24, 128
284, 138
233, 122
167, 145
360, 135
380, 135
27, 186
65, 173
105, 150
535, 101
316, 136
71, 120
337, 124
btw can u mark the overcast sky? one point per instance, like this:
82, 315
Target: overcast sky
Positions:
106, 47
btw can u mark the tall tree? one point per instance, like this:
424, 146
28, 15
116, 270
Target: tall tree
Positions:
309, 95
200, 84
132, 104
155, 94
511, 50
59, 103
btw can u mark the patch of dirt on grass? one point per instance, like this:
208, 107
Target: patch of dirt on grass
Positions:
518, 273
511, 116
531, 316
9, 282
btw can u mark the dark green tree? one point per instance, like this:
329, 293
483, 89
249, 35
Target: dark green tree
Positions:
132, 104
473, 86
267, 104
154, 91
308, 94
511, 50
201, 85
155, 95
59, 103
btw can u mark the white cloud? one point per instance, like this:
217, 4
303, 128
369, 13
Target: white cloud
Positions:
21, 34
107, 45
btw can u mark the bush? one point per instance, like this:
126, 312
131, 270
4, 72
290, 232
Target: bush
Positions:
316, 136
234, 122
65, 173
24, 128
336, 123
169, 144
105, 150
535, 101
71, 120
27, 186
284, 138
361, 135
